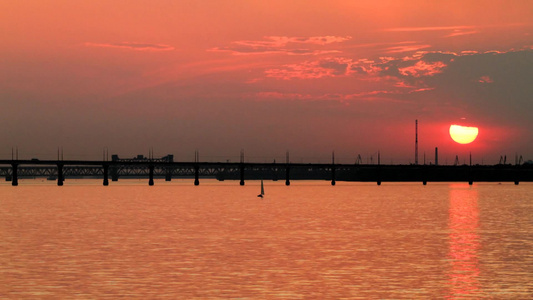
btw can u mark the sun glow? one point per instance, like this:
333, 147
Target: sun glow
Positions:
463, 134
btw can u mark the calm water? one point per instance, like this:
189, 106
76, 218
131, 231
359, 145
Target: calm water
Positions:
306, 241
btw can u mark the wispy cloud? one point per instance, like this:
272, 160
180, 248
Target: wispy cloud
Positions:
282, 41
389, 78
459, 32
330, 67
454, 30
428, 28
406, 48
283, 96
422, 68
365, 96
469, 52
132, 46
416, 66
317, 40
422, 90
262, 51
485, 79
284, 45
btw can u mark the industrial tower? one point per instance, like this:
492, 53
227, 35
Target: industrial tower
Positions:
416, 142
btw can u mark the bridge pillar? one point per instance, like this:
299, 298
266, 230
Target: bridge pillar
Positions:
60, 178
332, 175
151, 175
15, 180
196, 175
470, 182
287, 175
114, 173
424, 173
242, 174
516, 182
168, 175
106, 175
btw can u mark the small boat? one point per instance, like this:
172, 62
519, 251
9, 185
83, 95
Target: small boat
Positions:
262, 190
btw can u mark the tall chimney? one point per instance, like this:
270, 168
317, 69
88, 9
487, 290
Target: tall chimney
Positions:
436, 156
416, 142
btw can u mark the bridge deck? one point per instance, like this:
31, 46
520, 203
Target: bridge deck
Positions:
13, 169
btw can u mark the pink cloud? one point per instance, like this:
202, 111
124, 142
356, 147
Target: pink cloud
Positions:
310, 52
393, 76
296, 96
305, 70
368, 95
469, 52
406, 48
421, 90
459, 32
485, 79
338, 66
282, 96
371, 93
283, 45
403, 84
133, 46
428, 28
422, 68
496, 51
368, 67
467, 29
244, 51
330, 67
321, 40
282, 41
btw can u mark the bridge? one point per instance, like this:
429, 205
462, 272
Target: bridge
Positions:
61, 169
150, 168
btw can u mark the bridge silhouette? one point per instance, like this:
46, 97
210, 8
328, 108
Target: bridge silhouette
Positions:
165, 167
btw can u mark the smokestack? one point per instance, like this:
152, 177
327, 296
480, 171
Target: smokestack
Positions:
416, 142
436, 156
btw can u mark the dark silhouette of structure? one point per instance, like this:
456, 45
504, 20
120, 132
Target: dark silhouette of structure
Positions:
416, 142
166, 167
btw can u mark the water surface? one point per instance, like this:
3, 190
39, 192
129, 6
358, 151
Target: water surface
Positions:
308, 240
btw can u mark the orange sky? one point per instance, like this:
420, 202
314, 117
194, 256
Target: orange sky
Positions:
265, 76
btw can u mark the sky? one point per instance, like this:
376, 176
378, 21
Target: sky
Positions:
267, 77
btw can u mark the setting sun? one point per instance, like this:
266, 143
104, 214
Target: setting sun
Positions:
463, 134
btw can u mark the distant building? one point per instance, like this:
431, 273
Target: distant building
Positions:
142, 158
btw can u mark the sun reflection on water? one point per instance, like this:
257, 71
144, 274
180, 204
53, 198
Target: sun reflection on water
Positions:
463, 241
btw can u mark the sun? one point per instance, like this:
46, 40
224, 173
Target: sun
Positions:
463, 134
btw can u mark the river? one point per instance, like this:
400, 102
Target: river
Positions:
309, 240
